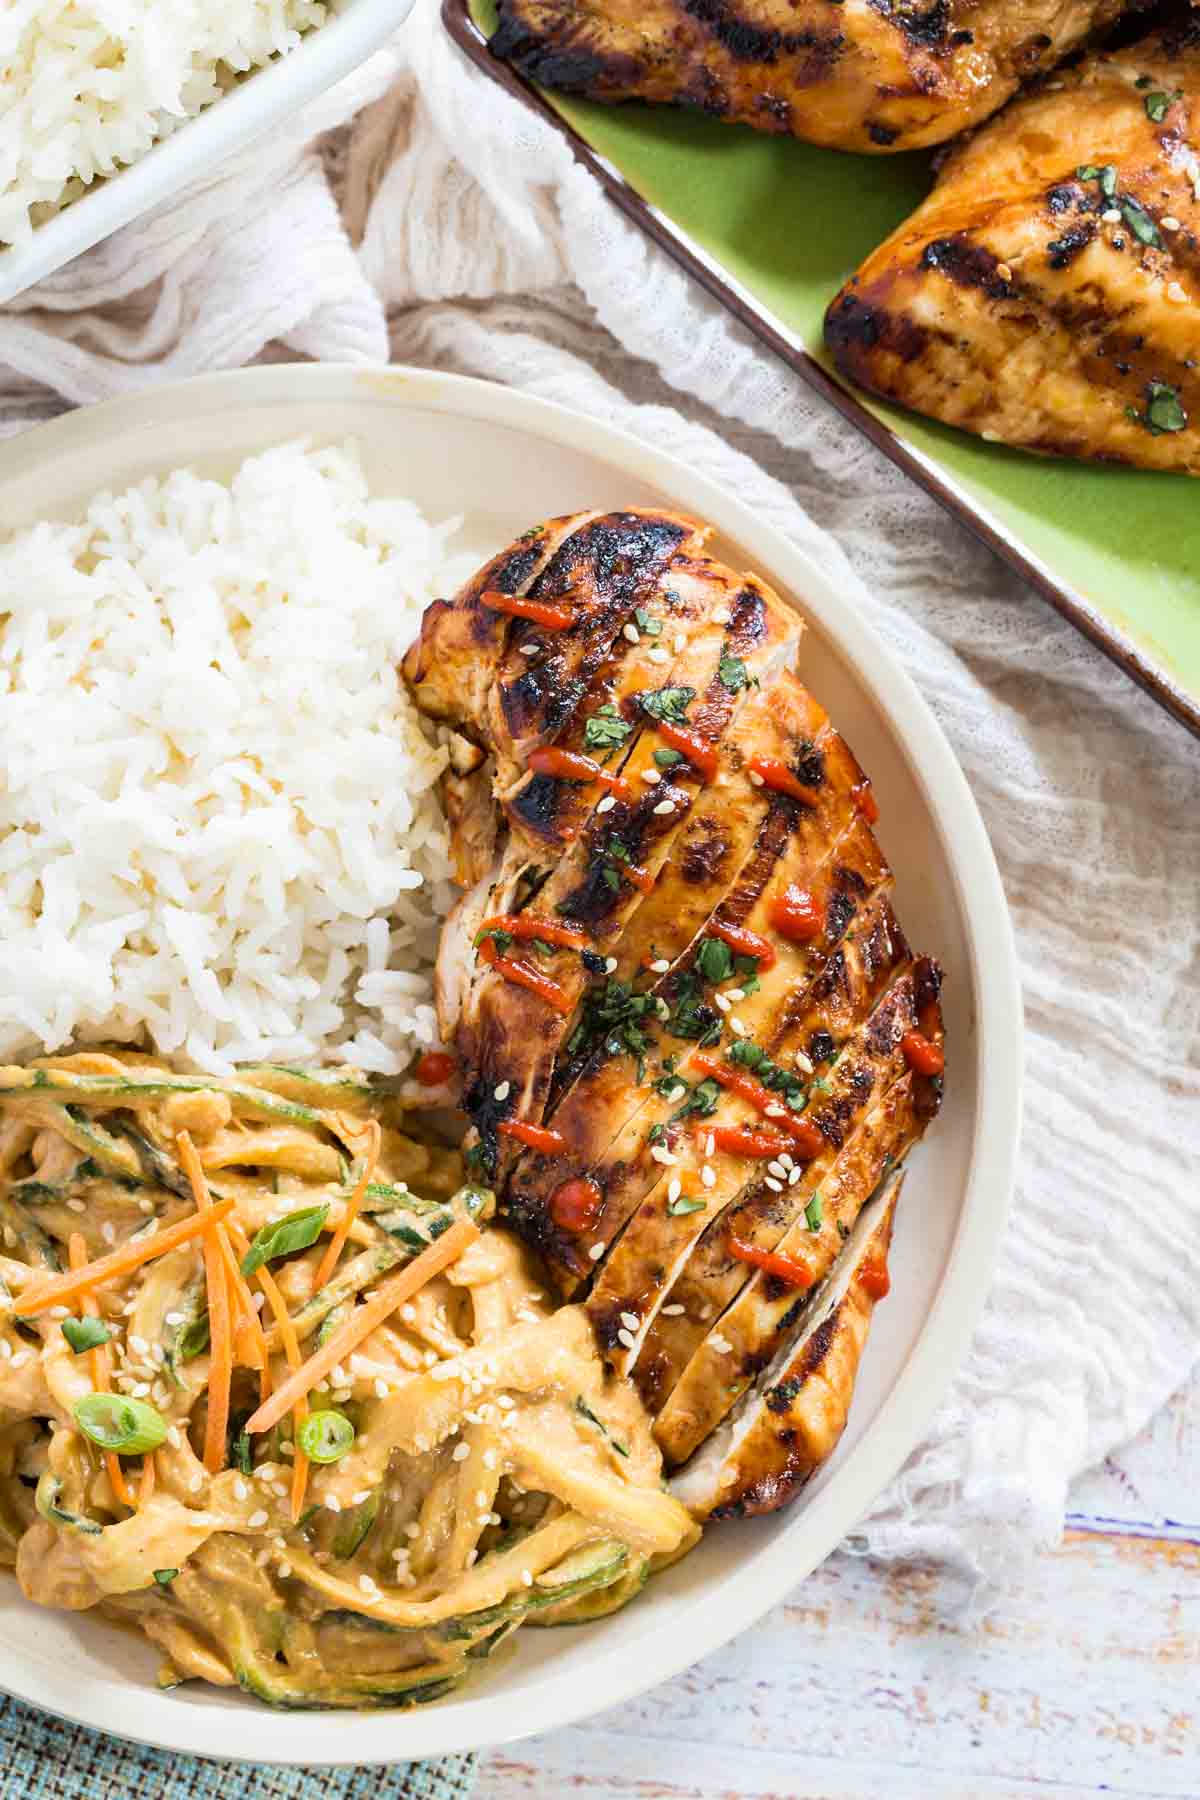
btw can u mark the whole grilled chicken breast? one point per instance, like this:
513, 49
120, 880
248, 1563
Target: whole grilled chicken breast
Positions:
694, 1040
871, 75
1047, 293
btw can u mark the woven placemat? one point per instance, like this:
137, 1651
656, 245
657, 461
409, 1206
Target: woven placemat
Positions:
44, 1758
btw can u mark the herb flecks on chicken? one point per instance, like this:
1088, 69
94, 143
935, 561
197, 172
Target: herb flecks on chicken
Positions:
874, 75
1045, 294
694, 1040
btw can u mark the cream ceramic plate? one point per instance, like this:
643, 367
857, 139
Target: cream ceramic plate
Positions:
504, 461
267, 96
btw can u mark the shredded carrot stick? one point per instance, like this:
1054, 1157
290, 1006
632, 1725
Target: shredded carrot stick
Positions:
118, 1262
291, 1349
333, 1249
220, 1334
98, 1358
146, 1484
250, 1341
362, 1322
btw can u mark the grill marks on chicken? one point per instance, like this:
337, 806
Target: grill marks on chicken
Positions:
1045, 294
714, 1066
875, 75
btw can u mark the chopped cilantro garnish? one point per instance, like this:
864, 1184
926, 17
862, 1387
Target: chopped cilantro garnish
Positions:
612, 1016
605, 730
1164, 410
685, 1204
690, 1017
714, 960
666, 759
645, 624
1139, 222
1158, 104
500, 938
814, 1212
780, 1081
732, 673
669, 705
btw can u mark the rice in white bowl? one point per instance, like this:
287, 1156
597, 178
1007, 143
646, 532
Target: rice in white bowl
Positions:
89, 85
218, 819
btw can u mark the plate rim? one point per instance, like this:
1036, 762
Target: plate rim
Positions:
1065, 597
474, 1722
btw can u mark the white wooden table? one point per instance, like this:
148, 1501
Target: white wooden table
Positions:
1084, 1679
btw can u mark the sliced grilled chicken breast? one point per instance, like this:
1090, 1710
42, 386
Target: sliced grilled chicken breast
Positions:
874, 75
791, 1421
1046, 293
693, 1038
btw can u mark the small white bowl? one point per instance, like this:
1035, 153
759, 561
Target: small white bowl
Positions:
504, 461
260, 101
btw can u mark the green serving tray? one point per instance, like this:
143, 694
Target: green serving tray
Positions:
773, 227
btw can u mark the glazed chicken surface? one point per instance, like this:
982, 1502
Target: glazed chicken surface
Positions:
1047, 292
695, 1043
873, 75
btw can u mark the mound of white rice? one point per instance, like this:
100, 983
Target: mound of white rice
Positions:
217, 814
89, 85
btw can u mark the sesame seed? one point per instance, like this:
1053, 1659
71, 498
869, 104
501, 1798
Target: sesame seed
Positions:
663, 808
735, 994
722, 1003
596, 1252
333, 1504
1004, 272
408, 1313
803, 1063
76, 1206
794, 1175
1177, 293
721, 1345
285, 1569
146, 1206
240, 1490
676, 1093
673, 1312
776, 1187
1169, 222
1111, 215
489, 1459
736, 1026
530, 649
756, 779
173, 1437
258, 1519
660, 966
680, 642
710, 1143
362, 1495
674, 1189
651, 777
108, 1232
526, 1577
708, 1176
367, 1584
173, 1318
606, 804
658, 654
631, 1320
777, 1169
662, 1155
626, 1338
505, 1402
721, 615
610, 965
196, 1483
774, 1111
382, 1389
460, 1453
631, 631
502, 1091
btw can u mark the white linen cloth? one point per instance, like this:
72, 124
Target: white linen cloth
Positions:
469, 240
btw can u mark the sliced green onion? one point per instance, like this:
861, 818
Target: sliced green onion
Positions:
165, 1577
115, 1422
325, 1437
85, 1334
295, 1232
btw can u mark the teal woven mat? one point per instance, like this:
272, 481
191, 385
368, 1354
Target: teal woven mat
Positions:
44, 1759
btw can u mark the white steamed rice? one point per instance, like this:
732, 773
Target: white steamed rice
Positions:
87, 86
218, 822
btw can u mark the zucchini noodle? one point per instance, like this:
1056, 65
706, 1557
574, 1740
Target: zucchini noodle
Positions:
466, 1467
